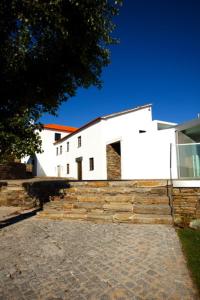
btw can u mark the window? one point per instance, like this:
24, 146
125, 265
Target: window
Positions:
60, 149
142, 131
57, 136
67, 168
67, 146
91, 163
56, 150
79, 141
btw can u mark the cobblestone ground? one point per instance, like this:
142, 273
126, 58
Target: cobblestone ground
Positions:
41, 259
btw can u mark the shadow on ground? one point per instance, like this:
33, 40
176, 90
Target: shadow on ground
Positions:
18, 218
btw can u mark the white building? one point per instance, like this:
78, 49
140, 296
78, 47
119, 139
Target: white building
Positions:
124, 145
43, 163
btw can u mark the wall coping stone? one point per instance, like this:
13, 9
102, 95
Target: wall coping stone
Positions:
186, 183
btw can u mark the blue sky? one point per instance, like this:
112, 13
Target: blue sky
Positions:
157, 61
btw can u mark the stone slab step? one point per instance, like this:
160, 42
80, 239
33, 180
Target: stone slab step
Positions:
108, 217
105, 183
145, 199
123, 207
112, 206
152, 209
67, 210
142, 219
115, 190
61, 216
152, 219
151, 199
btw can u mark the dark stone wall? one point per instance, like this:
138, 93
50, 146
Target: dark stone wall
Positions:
29, 194
13, 170
113, 163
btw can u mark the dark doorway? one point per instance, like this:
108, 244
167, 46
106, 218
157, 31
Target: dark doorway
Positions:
113, 152
79, 168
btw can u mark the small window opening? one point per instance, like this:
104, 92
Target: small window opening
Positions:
91, 160
142, 131
57, 136
67, 146
67, 168
79, 141
60, 149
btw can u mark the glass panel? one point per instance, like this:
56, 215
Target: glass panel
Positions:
189, 160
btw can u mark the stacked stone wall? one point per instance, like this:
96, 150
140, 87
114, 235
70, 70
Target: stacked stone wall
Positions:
113, 163
186, 203
29, 194
13, 170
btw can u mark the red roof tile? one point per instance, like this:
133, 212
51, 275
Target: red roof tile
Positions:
60, 127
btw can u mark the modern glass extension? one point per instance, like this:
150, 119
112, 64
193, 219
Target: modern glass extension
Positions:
188, 149
188, 159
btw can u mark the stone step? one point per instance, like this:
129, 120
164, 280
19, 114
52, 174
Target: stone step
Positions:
118, 206
149, 200
14, 188
117, 190
152, 219
101, 198
121, 183
61, 216
142, 219
67, 210
152, 209
108, 217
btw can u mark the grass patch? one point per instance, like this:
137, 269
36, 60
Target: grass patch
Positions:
190, 240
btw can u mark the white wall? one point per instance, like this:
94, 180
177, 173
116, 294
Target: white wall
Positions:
143, 155
148, 155
92, 146
44, 162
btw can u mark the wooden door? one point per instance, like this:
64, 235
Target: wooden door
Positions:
79, 165
79, 168
58, 171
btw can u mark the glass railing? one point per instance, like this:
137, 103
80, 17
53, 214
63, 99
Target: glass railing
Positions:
188, 156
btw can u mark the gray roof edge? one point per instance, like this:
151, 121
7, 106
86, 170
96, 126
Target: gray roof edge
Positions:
188, 124
125, 111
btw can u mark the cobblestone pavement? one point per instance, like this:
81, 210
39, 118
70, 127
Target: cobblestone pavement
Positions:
54, 260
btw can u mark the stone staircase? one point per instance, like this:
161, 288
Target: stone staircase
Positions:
136, 201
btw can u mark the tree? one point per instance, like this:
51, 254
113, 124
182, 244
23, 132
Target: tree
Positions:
48, 49
19, 137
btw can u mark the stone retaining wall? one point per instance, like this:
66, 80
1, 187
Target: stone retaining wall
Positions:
13, 170
186, 203
29, 194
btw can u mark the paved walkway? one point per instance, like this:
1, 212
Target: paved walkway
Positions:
41, 259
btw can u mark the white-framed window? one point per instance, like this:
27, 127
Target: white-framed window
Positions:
67, 168
91, 163
67, 146
79, 141
57, 136
60, 149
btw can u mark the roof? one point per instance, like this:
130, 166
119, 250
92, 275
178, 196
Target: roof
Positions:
165, 122
96, 120
187, 125
125, 111
60, 127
